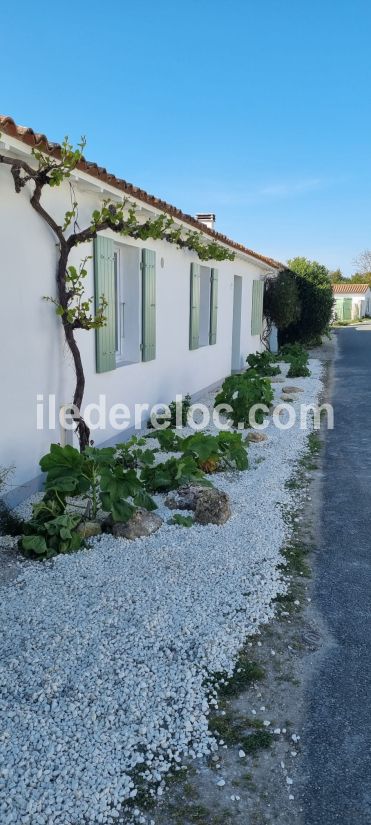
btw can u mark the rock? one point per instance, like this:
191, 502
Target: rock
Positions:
142, 523
256, 437
291, 390
87, 529
212, 507
185, 498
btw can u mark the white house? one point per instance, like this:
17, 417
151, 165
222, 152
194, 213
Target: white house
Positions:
153, 347
352, 301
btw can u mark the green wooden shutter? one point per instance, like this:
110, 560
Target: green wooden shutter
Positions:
339, 308
148, 305
257, 307
104, 278
194, 316
347, 309
213, 306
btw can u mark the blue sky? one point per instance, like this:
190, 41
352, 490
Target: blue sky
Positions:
260, 112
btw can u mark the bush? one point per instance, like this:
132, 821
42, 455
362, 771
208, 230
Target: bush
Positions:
292, 352
171, 474
172, 422
316, 298
282, 305
100, 478
261, 364
298, 368
242, 393
217, 452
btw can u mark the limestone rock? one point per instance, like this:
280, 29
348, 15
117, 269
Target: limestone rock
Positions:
87, 529
256, 437
141, 523
212, 507
291, 390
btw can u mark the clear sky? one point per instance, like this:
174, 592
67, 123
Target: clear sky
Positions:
257, 110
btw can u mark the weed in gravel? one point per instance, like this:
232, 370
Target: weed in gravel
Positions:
295, 560
245, 673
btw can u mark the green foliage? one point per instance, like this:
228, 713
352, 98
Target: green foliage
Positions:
181, 521
47, 538
59, 169
105, 479
171, 474
241, 393
282, 305
261, 364
297, 356
298, 369
316, 298
131, 455
78, 312
217, 452
178, 410
168, 440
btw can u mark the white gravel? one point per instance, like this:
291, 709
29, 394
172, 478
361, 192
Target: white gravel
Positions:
105, 652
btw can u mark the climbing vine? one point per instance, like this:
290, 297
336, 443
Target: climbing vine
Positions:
73, 307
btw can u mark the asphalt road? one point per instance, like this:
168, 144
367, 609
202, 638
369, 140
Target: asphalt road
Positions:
337, 730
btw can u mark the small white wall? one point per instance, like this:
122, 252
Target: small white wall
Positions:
34, 358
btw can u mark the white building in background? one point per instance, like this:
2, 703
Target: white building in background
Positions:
175, 324
352, 301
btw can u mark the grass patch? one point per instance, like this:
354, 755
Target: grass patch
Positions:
295, 560
245, 673
249, 734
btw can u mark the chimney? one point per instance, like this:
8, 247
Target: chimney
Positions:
208, 218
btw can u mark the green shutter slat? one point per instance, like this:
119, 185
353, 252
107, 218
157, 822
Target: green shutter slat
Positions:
213, 305
148, 305
194, 315
257, 307
104, 281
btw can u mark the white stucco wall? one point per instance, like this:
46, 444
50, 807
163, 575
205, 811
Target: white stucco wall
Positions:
34, 358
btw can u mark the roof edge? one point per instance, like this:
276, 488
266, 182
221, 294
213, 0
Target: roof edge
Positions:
27, 135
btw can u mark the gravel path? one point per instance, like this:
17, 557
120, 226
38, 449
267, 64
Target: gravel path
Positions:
105, 652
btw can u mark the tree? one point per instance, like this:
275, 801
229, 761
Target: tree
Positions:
281, 302
337, 277
358, 278
316, 297
72, 306
363, 262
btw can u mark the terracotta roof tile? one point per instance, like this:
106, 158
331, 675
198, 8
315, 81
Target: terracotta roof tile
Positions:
31, 138
339, 289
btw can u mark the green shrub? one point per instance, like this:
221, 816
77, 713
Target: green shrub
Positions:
168, 440
291, 352
242, 393
172, 422
102, 480
282, 305
316, 299
216, 452
298, 369
262, 364
171, 474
